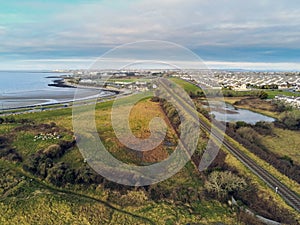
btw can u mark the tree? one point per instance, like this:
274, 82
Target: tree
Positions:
224, 183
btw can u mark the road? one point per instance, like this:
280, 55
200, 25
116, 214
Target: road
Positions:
286, 193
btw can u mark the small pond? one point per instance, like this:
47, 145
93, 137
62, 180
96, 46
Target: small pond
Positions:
234, 114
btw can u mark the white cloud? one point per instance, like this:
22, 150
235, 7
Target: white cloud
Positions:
191, 23
86, 63
253, 66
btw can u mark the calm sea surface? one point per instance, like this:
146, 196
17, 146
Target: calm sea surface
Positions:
12, 82
18, 89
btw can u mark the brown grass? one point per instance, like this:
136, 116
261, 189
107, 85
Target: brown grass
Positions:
140, 117
257, 105
284, 143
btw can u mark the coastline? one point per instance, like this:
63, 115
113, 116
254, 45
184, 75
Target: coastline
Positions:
60, 83
60, 93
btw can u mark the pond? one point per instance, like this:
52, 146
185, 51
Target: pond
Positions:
228, 113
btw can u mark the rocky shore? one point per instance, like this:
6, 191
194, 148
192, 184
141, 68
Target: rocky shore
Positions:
60, 83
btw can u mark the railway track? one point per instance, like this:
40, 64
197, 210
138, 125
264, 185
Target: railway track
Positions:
286, 193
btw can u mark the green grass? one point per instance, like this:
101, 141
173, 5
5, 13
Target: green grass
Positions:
38, 202
25, 144
188, 87
25, 199
284, 143
73, 157
273, 93
127, 80
6, 128
30, 201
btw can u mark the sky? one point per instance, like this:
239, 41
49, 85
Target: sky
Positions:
65, 34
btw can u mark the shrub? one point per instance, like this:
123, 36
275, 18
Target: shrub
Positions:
223, 183
249, 134
53, 151
133, 198
291, 119
262, 95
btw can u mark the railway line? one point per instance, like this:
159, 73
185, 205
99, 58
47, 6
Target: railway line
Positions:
286, 193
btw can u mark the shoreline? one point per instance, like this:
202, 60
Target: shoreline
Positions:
50, 106
60, 83
27, 101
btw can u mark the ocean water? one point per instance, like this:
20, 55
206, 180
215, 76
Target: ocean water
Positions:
18, 81
23, 88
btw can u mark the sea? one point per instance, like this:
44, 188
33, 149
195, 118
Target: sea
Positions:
30, 88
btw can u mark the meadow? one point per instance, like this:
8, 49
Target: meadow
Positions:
27, 198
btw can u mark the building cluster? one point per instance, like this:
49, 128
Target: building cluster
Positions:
241, 80
290, 100
140, 80
215, 79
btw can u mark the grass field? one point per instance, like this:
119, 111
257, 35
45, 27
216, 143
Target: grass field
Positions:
188, 87
26, 199
273, 93
284, 143
127, 80
139, 120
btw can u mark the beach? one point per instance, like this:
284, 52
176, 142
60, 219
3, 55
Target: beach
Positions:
29, 89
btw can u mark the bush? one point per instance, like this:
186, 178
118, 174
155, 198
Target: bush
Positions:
53, 151
239, 124
32, 163
262, 95
10, 119
3, 141
291, 119
57, 174
133, 198
263, 128
10, 154
224, 183
250, 138
281, 106
249, 134
155, 99
85, 175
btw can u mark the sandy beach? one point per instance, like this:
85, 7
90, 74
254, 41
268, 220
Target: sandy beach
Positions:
44, 97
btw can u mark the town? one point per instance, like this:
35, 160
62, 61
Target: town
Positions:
140, 80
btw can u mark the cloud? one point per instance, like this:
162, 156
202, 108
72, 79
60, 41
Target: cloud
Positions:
254, 66
85, 63
226, 29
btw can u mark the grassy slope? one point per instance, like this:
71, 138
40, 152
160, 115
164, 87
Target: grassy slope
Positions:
273, 93
188, 87
28, 200
284, 143
264, 189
